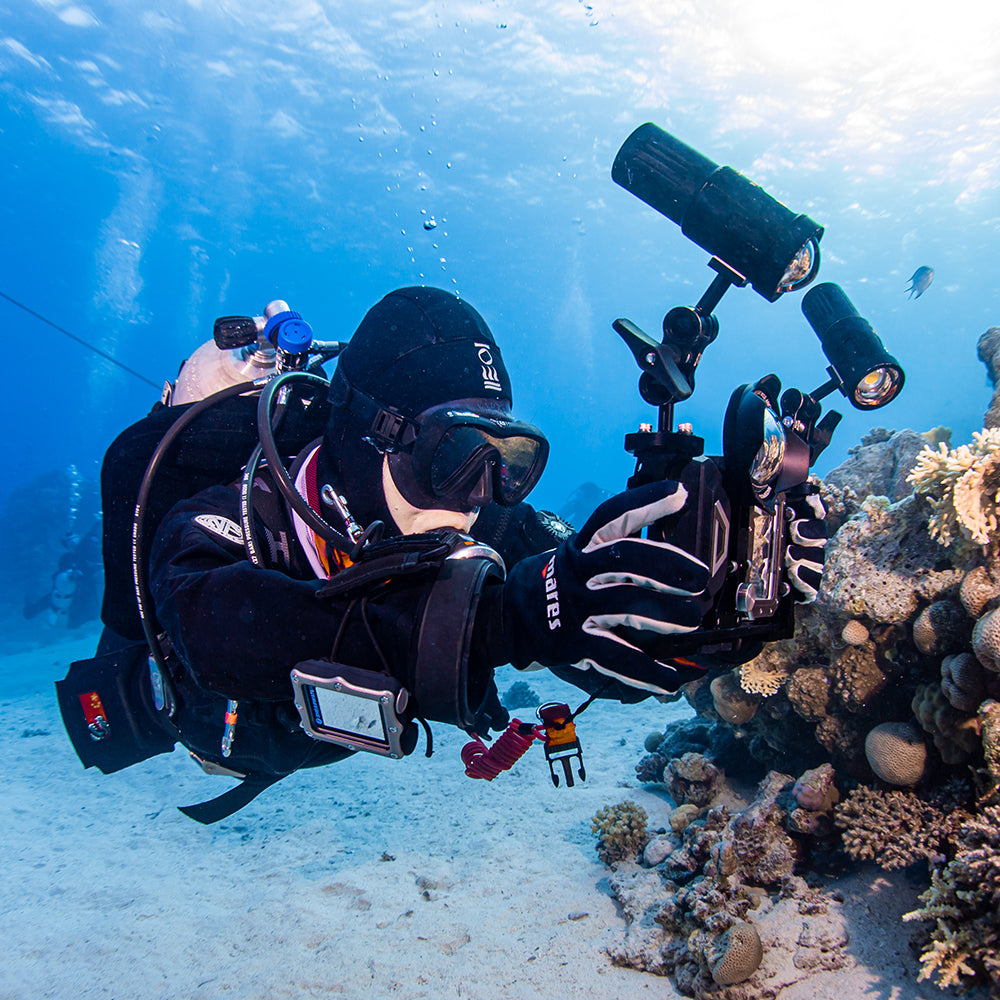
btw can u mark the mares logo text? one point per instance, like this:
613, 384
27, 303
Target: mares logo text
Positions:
551, 593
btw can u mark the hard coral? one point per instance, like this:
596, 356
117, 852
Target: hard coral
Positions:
763, 675
621, 831
940, 628
989, 724
691, 778
979, 588
964, 903
520, 695
815, 789
893, 829
963, 681
858, 677
737, 954
896, 753
986, 641
765, 851
963, 486
808, 690
955, 734
854, 633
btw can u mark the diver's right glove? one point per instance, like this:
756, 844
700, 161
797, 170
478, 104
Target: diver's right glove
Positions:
587, 602
807, 536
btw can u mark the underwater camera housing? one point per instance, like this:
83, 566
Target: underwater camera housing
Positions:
739, 519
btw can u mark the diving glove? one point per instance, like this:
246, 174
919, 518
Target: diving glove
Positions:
589, 601
807, 535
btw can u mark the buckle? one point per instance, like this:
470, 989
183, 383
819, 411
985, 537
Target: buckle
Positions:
387, 429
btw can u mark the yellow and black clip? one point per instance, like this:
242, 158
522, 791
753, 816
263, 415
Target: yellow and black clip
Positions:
561, 743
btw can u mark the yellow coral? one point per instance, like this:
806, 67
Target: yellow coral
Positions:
760, 677
963, 487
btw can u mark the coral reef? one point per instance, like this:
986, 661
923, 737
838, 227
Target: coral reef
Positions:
964, 903
721, 914
986, 641
955, 733
652, 741
940, 628
733, 702
979, 591
988, 777
816, 790
621, 831
855, 633
888, 695
963, 682
764, 674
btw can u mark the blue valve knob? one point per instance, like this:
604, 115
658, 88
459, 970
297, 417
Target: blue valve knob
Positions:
289, 332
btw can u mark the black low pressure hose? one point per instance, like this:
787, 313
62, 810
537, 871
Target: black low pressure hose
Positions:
296, 501
139, 572
250, 542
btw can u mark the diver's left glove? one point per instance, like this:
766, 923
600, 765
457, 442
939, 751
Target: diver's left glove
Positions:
591, 601
807, 537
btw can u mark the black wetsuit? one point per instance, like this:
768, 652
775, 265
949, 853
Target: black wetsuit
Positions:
236, 630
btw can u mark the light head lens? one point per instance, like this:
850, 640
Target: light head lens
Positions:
878, 387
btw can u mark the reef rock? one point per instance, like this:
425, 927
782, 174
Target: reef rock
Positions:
691, 779
732, 702
883, 565
988, 350
880, 464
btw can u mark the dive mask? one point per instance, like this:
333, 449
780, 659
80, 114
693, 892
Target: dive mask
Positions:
460, 455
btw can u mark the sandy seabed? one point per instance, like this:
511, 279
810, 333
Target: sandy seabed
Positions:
372, 878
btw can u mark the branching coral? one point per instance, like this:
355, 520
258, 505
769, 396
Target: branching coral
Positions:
621, 831
893, 829
963, 902
763, 675
963, 487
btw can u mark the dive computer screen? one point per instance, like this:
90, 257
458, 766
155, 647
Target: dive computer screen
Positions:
354, 708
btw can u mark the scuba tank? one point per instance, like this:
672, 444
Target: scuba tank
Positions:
241, 350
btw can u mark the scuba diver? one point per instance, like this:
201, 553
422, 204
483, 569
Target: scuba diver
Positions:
295, 657
73, 598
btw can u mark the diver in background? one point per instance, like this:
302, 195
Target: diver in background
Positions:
76, 584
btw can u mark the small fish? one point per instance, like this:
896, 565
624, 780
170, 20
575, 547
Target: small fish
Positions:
921, 281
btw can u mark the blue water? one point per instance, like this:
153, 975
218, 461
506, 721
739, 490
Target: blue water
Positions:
166, 164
